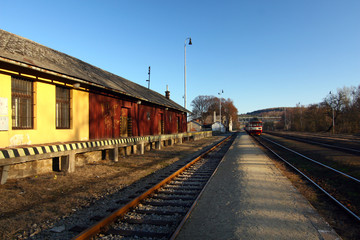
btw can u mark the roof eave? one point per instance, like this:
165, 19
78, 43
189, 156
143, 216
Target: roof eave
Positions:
78, 80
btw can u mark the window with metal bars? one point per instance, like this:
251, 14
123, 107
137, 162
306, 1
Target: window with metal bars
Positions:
22, 103
62, 108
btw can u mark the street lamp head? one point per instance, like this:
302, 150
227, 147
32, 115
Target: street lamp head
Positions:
190, 43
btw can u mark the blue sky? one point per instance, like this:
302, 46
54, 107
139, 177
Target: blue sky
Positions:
262, 53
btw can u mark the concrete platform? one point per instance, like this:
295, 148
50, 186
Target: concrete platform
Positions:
249, 198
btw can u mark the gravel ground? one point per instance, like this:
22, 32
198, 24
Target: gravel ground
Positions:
33, 207
341, 188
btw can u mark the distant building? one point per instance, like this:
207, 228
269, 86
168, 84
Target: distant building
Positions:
194, 126
230, 125
218, 127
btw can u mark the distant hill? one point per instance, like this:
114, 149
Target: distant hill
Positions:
268, 112
273, 112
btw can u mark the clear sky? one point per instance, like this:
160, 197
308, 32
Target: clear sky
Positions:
262, 53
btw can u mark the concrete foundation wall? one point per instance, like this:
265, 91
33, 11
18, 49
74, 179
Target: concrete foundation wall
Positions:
87, 158
66, 160
30, 169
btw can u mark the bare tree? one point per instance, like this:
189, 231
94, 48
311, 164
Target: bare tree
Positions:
340, 109
230, 113
204, 106
349, 119
200, 107
336, 103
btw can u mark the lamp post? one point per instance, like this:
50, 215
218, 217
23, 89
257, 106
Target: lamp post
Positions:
190, 43
300, 116
333, 119
222, 91
285, 119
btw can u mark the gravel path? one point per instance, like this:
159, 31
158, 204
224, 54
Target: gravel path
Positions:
40, 206
249, 198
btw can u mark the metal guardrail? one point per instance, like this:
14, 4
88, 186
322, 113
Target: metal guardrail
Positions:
67, 151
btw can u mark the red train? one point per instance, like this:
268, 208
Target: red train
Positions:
254, 127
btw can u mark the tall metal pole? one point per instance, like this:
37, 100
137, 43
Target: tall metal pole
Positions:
300, 116
149, 78
222, 91
285, 119
333, 119
185, 75
190, 43
220, 108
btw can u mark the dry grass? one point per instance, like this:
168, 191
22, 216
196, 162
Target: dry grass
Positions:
45, 198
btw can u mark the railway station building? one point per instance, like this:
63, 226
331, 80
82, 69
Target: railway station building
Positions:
50, 97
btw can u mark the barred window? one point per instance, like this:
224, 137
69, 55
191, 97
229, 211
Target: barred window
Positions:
22, 103
62, 107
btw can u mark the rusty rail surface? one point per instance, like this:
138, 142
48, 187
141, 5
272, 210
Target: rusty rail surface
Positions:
99, 226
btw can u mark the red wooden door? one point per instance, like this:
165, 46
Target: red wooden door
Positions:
124, 122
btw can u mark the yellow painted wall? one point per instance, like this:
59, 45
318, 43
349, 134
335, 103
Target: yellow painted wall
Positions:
44, 112
5, 93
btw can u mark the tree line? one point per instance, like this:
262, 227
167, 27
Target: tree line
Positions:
339, 112
204, 106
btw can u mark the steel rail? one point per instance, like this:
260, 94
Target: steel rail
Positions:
338, 137
318, 143
314, 183
321, 164
99, 226
187, 215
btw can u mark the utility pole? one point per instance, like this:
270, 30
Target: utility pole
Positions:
149, 78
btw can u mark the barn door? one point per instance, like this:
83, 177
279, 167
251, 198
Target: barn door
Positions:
178, 125
161, 123
124, 122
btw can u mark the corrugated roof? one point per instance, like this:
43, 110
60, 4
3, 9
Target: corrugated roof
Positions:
26, 51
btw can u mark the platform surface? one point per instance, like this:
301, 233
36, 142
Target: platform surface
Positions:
249, 198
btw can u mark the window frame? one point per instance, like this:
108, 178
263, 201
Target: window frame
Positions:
62, 108
22, 103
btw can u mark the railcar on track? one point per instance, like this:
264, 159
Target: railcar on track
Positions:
254, 127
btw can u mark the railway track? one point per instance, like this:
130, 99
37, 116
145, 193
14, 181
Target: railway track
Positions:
160, 211
341, 144
338, 182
